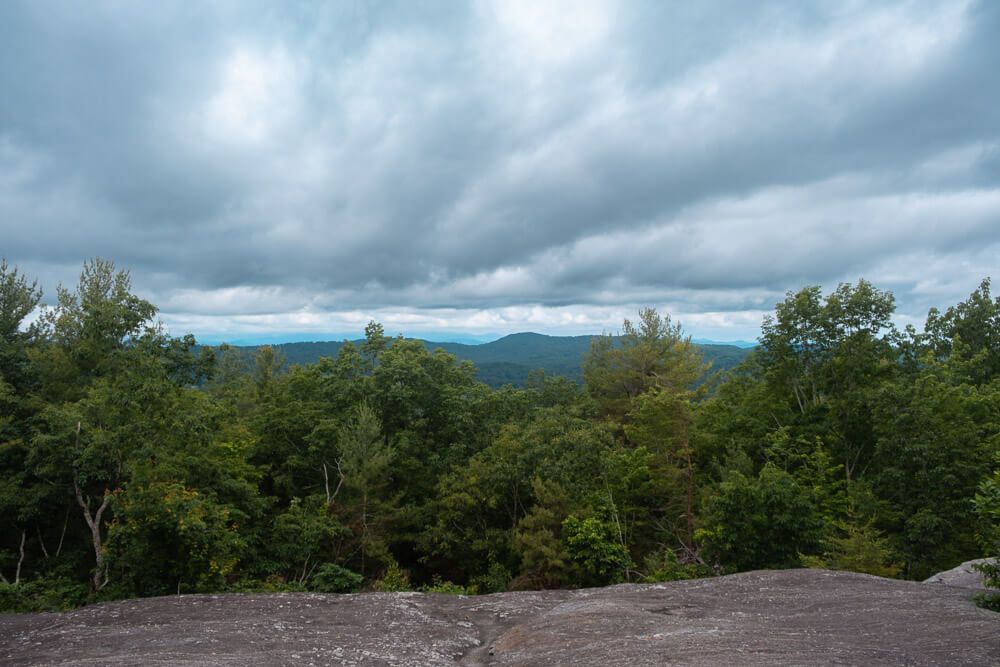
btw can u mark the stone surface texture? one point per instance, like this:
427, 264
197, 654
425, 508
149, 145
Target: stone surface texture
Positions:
791, 617
963, 575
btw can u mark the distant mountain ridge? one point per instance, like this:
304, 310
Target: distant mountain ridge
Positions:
510, 359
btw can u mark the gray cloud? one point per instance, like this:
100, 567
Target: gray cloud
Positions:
496, 166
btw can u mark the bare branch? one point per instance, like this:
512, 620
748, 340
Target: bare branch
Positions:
94, 523
62, 536
41, 542
17, 576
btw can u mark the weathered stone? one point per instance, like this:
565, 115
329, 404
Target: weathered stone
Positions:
963, 576
805, 617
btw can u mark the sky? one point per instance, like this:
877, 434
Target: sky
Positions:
276, 171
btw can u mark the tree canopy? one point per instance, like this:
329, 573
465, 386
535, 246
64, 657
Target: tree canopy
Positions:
134, 463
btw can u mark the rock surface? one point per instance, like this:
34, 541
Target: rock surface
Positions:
963, 575
797, 617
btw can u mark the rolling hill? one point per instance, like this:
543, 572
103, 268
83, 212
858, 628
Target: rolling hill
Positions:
508, 360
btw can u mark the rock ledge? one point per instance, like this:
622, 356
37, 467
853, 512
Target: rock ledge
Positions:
805, 617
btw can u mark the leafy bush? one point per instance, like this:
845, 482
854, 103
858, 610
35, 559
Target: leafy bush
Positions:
665, 566
859, 547
42, 595
272, 584
447, 587
760, 522
332, 578
991, 572
592, 543
496, 580
393, 580
987, 507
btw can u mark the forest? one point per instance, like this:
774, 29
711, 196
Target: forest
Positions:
134, 463
507, 360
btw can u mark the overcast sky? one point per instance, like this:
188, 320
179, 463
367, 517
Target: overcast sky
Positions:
281, 170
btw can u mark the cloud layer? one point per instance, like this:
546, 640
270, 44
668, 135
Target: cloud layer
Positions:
497, 166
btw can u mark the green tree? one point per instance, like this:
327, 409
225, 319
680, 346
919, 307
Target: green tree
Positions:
593, 543
935, 439
652, 354
374, 345
761, 522
829, 355
18, 298
481, 504
660, 423
89, 326
20, 503
365, 469
168, 537
857, 547
966, 330
987, 508
303, 538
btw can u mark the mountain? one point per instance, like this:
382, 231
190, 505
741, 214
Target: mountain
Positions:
508, 360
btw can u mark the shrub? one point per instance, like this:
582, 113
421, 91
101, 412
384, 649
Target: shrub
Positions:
394, 579
592, 544
53, 594
665, 566
447, 587
332, 578
496, 580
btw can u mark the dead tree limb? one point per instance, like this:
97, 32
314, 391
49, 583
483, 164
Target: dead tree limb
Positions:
20, 561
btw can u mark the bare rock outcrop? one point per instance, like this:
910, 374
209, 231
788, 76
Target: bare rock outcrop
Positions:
792, 617
963, 576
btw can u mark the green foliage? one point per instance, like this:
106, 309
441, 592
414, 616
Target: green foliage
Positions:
652, 354
300, 536
545, 558
987, 508
168, 538
665, 566
511, 360
446, 587
45, 594
17, 299
509, 501
986, 504
761, 522
929, 460
332, 578
969, 330
394, 579
596, 546
496, 579
989, 601
272, 584
364, 469
134, 463
856, 548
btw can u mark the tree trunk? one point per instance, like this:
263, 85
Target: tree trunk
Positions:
94, 523
364, 528
685, 423
618, 525
17, 575
330, 497
41, 542
690, 493
62, 536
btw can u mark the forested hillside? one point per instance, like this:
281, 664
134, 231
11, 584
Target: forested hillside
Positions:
511, 359
132, 466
